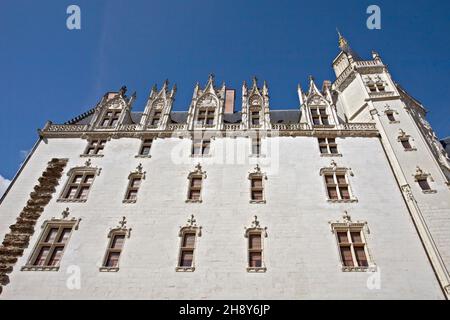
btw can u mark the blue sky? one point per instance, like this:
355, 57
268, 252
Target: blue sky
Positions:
51, 73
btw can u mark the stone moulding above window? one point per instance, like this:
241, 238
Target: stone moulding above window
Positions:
337, 172
54, 223
137, 174
361, 229
84, 171
257, 230
190, 228
257, 192
420, 176
120, 230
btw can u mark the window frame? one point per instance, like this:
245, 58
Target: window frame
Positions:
262, 232
97, 147
198, 173
317, 114
74, 172
144, 144
253, 175
201, 144
328, 145
190, 228
48, 225
338, 171
116, 115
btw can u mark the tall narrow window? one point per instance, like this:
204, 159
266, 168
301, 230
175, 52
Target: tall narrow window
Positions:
114, 250
200, 147
254, 250
195, 179
195, 189
188, 241
146, 146
205, 116
111, 118
95, 147
78, 186
134, 182
187, 250
257, 178
319, 116
255, 254
115, 246
156, 118
255, 117
50, 247
328, 146
256, 146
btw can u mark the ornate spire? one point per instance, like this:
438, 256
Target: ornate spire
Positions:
343, 44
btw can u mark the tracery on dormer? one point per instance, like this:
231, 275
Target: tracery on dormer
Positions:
113, 110
255, 106
159, 105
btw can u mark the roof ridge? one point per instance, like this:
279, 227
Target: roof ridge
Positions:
81, 116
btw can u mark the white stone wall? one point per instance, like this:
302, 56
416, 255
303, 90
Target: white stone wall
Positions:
301, 253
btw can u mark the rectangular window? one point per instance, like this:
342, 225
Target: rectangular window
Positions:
187, 249
372, 87
146, 147
114, 250
195, 188
352, 248
423, 183
328, 146
111, 118
200, 147
256, 146
390, 116
405, 143
319, 116
337, 186
257, 190
133, 188
255, 118
95, 147
78, 186
156, 118
205, 116
50, 247
255, 250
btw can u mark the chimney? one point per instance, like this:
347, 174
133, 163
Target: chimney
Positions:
229, 100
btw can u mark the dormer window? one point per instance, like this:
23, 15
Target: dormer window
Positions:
319, 116
156, 118
111, 118
205, 117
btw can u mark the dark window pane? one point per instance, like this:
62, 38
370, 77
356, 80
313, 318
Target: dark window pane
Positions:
42, 256
342, 237
423, 183
113, 259
255, 260
361, 256
186, 258
346, 255
255, 241
189, 240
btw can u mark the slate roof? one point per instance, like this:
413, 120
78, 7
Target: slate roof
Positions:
276, 116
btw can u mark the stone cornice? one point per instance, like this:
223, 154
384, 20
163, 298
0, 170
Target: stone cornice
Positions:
133, 131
